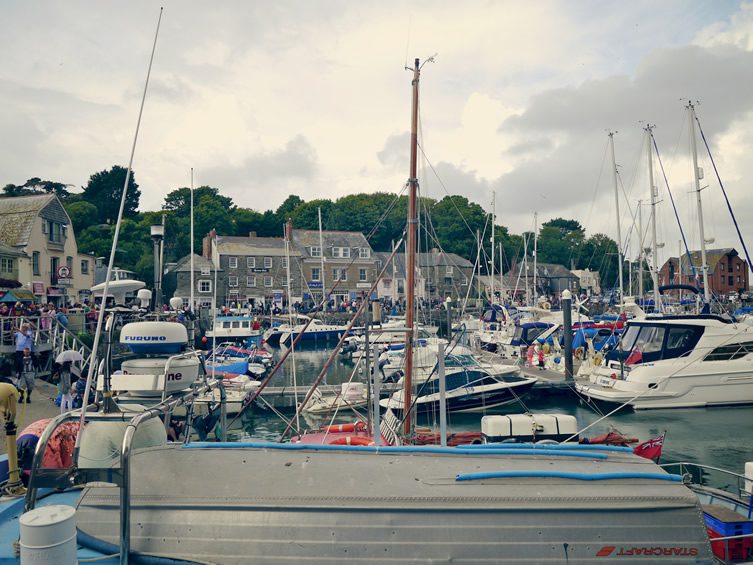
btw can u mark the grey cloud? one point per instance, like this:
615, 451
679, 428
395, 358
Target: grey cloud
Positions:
296, 162
395, 153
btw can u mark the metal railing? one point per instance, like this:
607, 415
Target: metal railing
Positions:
119, 476
695, 472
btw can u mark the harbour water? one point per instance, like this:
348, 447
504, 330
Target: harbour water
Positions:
719, 437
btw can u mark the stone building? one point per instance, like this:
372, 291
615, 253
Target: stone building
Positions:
349, 264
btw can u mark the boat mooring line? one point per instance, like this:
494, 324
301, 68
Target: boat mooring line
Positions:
565, 475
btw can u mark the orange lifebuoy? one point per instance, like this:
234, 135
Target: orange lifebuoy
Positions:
352, 440
356, 427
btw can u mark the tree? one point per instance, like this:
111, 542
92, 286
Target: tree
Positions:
35, 186
179, 200
288, 207
560, 241
306, 216
600, 254
104, 190
455, 221
83, 214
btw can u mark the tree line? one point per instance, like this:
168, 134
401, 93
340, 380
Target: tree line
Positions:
450, 224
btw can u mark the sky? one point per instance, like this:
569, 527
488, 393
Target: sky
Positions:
267, 99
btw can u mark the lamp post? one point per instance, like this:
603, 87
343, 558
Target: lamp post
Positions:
567, 328
158, 235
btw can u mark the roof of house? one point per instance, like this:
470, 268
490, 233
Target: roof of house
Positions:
423, 260
713, 257
250, 245
17, 215
305, 239
544, 270
8, 250
184, 264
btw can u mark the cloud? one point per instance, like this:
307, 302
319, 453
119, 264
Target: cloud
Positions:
279, 170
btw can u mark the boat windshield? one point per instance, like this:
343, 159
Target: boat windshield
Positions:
646, 342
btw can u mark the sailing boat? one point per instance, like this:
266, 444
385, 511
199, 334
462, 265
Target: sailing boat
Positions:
291, 503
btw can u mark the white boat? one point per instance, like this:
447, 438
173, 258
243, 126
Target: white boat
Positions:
246, 329
676, 362
317, 331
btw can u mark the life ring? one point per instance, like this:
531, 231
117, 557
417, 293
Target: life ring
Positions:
579, 352
545, 348
352, 440
597, 360
355, 427
547, 305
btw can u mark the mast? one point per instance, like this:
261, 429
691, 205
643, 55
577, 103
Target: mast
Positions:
410, 256
494, 221
394, 275
617, 211
288, 230
640, 249
478, 264
654, 246
697, 176
525, 268
192, 252
321, 261
535, 238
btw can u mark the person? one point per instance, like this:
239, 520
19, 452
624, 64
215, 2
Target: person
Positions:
541, 358
24, 340
28, 374
530, 353
65, 387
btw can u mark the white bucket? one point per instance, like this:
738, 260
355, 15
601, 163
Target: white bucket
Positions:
48, 535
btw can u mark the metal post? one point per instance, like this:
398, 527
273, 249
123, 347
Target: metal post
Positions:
697, 176
617, 210
377, 383
567, 327
442, 396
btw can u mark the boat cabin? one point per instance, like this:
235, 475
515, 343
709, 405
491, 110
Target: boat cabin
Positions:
650, 341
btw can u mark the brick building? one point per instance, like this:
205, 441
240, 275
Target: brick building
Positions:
727, 271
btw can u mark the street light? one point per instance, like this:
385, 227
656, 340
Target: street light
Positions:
158, 234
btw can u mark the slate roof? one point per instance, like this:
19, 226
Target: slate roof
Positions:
713, 256
423, 260
544, 270
17, 215
240, 245
305, 239
8, 250
184, 264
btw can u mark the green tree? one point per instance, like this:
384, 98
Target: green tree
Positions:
35, 186
179, 200
287, 208
306, 216
600, 254
455, 221
560, 241
104, 190
83, 214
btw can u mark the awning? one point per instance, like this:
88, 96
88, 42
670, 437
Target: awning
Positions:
17, 295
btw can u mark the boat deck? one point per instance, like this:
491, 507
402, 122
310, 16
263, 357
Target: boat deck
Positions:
273, 503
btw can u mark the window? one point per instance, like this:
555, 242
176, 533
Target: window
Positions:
721, 266
205, 285
379, 265
6, 265
315, 251
339, 275
54, 264
447, 281
267, 281
284, 281
737, 266
341, 252
284, 262
251, 281
250, 262
69, 263
84, 267
729, 280
448, 270
35, 262
316, 274
362, 275
232, 281
364, 253
232, 262
738, 279
54, 231
730, 352
681, 341
267, 262
205, 271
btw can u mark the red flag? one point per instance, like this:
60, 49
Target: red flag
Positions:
650, 449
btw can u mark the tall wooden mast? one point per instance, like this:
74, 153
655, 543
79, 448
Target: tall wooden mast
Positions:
410, 260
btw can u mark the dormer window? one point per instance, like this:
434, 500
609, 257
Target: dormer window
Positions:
364, 253
315, 251
341, 252
56, 232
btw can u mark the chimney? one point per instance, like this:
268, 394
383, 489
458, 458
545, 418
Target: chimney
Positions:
252, 234
206, 244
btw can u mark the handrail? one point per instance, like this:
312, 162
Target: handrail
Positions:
683, 464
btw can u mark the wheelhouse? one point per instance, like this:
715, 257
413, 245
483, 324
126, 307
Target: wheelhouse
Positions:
645, 342
526, 333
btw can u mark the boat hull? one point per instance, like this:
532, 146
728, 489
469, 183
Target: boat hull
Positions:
357, 505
